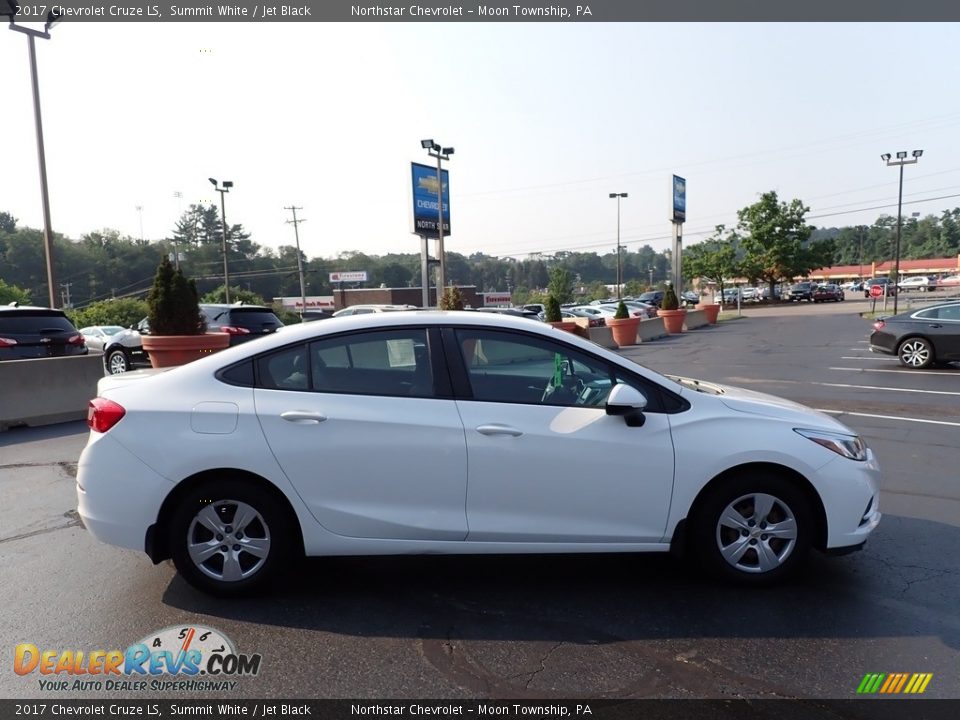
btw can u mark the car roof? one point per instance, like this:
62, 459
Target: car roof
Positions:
32, 308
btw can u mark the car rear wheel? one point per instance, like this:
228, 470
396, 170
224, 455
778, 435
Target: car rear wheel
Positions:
754, 529
916, 353
117, 361
229, 538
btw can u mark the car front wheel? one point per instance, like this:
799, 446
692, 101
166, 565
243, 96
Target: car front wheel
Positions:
117, 361
755, 529
916, 353
229, 538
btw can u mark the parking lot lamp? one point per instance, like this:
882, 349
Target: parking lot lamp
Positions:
900, 161
223, 212
52, 19
619, 272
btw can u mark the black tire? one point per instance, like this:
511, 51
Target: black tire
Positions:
763, 559
254, 552
916, 353
117, 361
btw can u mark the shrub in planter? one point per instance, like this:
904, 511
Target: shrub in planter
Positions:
177, 329
452, 299
554, 317
623, 327
671, 313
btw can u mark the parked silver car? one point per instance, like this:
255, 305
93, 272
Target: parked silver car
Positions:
122, 348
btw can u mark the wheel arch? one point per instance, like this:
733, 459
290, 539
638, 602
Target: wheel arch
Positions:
679, 539
156, 542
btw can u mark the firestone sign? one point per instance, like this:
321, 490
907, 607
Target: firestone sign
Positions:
355, 276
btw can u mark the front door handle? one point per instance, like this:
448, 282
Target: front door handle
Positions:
302, 417
497, 429
935, 325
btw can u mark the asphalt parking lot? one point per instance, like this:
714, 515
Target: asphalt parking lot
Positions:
560, 626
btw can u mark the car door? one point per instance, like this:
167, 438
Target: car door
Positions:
546, 463
942, 326
359, 425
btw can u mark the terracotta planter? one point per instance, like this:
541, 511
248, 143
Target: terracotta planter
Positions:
673, 320
172, 350
713, 311
568, 325
624, 330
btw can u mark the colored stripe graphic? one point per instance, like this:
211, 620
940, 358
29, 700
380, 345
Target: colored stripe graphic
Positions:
894, 683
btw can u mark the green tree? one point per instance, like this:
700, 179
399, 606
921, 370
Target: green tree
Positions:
561, 285
775, 238
12, 293
121, 311
8, 223
632, 288
714, 259
237, 294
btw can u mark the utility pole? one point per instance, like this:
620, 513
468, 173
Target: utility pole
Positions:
65, 295
296, 233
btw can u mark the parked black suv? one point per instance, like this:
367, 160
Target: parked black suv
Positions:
241, 322
36, 332
801, 291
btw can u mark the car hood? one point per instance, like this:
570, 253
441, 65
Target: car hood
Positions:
757, 403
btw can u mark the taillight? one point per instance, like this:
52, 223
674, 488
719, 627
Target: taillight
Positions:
77, 340
879, 325
232, 330
7, 342
103, 414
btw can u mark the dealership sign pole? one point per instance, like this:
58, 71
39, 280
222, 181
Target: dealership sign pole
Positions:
679, 193
431, 212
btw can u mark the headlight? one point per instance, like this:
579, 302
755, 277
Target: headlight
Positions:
850, 446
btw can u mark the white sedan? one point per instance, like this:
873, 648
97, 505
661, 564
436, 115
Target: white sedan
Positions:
433, 432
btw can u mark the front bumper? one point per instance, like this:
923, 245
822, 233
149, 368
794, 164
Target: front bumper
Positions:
851, 497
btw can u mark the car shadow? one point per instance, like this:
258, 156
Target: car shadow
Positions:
904, 583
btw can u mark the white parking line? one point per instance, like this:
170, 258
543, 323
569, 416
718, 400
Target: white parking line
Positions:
865, 357
888, 417
889, 389
910, 372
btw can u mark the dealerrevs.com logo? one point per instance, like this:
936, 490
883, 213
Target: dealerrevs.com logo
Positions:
178, 658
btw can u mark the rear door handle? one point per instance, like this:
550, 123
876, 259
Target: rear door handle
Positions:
302, 417
935, 325
497, 429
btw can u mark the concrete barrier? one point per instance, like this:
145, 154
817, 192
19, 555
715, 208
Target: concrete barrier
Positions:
651, 330
603, 336
695, 319
47, 390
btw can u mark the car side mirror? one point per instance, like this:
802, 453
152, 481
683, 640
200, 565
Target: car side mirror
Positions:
627, 402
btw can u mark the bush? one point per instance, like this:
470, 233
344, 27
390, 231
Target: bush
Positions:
219, 295
553, 309
622, 313
452, 299
118, 311
173, 303
670, 301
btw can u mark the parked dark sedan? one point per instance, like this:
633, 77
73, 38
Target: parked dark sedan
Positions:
922, 337
828, 293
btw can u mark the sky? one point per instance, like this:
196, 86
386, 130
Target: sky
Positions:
546, 120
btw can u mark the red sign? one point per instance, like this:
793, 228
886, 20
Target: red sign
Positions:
876, 290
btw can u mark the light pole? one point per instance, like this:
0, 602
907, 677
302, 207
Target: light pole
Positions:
52, 19
900, 161
619, 273
223, 213
440, 153
140, 212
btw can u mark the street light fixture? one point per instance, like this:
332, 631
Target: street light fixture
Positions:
619, 272
899, 162
440, 153
225, 188
52, 19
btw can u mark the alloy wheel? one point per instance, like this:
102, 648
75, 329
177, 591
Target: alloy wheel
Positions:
756, 533
228, 540
916, 353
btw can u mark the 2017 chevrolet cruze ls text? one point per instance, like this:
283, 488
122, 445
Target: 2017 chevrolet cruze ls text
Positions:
427, 432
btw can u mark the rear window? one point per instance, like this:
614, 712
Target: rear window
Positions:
250, 318
34, 321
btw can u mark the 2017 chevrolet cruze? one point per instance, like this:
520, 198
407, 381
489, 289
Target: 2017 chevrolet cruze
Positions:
426, 432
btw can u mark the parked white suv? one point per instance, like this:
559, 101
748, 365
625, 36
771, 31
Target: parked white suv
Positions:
921, 283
